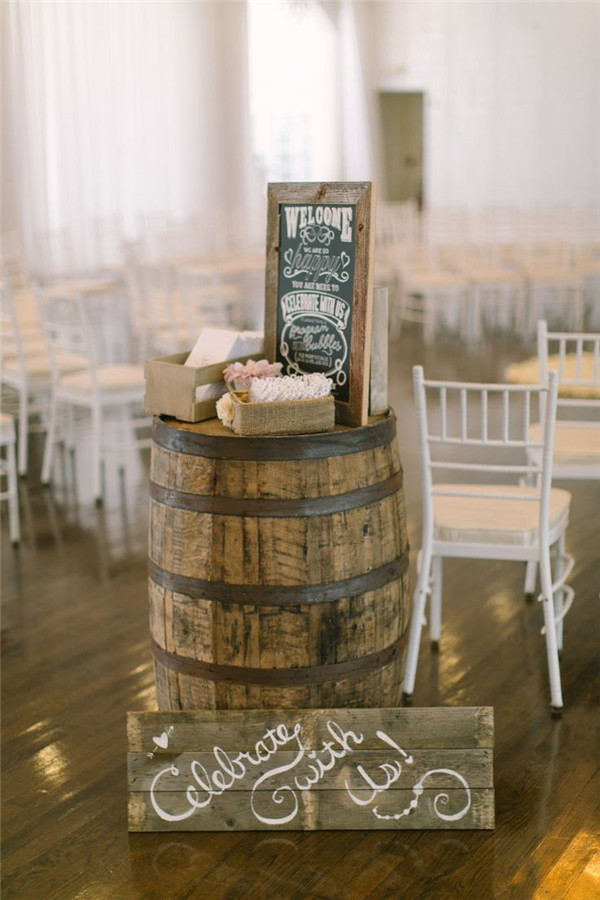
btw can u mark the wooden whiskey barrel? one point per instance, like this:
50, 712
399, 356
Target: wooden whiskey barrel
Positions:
278, 567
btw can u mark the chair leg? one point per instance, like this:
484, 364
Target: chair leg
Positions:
435, 608
428, 321
13, 494
556, 699
23, 432
97, 453
533, 312
49, 445
416, 624
530, 578
518, 316
559, 595
578, 307
472, 322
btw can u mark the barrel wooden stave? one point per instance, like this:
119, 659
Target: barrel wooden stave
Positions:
269, 479
311, 551
275, 551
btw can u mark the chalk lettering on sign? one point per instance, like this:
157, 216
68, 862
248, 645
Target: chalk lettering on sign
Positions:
313, 333
441, 798
338, 217
274, 795
300, 262
316, 286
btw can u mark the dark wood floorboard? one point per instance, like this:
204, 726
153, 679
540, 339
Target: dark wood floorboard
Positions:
75, 659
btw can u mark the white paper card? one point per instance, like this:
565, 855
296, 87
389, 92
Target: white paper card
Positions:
220, 344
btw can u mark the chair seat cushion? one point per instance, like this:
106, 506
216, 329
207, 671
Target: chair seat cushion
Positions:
484, 520
115, 377
493, 275
576, 444
528, 372
40, 366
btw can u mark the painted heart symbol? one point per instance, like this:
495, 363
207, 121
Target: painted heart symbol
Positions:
162, 741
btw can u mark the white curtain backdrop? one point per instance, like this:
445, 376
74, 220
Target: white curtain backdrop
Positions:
123, 109
360, 148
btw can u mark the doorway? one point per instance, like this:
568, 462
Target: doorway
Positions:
402, 130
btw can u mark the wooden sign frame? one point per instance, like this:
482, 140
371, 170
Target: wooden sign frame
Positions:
311, 769
319, 286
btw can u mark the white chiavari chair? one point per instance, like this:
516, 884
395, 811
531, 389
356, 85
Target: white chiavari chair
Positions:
478, 435
110, 244
25, 367
431, 294
575, 357
587, 263
498, 291
110, 393
54, 255
554, 287
206, 302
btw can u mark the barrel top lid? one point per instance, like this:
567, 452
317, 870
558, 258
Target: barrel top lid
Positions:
211, 439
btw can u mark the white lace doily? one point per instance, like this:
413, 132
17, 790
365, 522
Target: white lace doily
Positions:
290, 387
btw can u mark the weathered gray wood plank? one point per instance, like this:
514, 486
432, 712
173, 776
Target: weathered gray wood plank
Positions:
318, 768
325, 810
474, 765
435, 727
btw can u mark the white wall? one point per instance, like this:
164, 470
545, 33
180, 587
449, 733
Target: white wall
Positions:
512, 95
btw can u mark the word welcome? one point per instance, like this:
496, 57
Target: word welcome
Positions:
338, 217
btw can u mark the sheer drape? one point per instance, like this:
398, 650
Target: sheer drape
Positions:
360, 149
123, 109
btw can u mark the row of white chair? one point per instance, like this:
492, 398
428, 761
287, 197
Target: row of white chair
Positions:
106, 245
471, 290
147, 310
402, 222
174, 298
80, 365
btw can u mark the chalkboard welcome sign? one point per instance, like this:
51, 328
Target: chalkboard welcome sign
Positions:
319, 286
265, 769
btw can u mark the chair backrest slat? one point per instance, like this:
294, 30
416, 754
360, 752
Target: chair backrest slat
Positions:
10, 338
68, 333
443, 411
505, 416
527, 416
484, 417
463, 414
480, 434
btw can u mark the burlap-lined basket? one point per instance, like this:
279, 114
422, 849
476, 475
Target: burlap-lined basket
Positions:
282, 416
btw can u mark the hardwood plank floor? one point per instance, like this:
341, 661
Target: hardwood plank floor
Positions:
76, 658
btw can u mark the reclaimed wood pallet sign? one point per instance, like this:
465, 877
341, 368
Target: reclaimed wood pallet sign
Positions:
311, 769
319, 286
